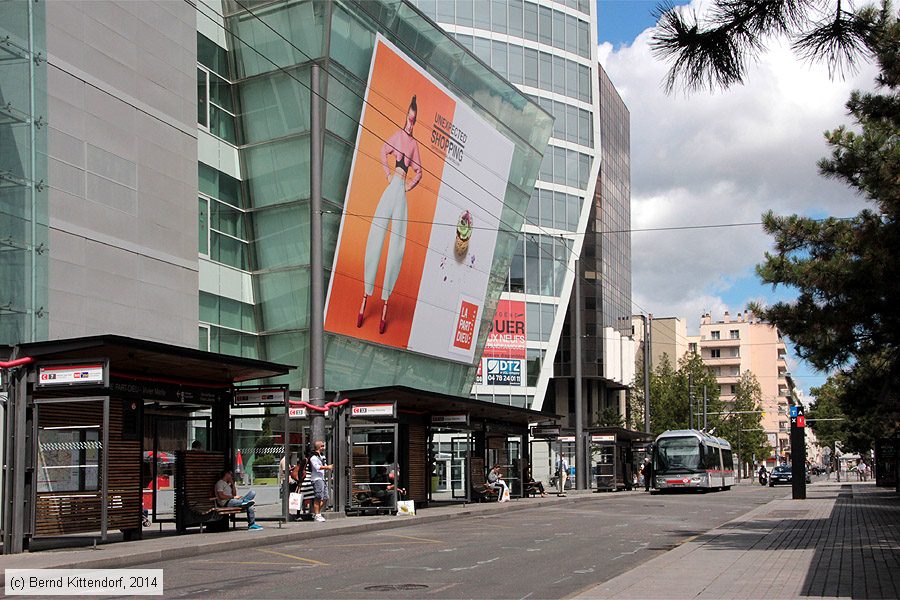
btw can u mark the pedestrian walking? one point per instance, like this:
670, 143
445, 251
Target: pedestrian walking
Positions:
317, 468
562, 472
647, 470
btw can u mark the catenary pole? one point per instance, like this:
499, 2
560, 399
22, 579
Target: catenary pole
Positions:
647, 342
316, 287
581, 466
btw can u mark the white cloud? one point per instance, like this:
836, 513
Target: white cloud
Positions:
724, 157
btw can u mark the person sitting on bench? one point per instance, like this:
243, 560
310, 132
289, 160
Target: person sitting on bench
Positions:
495, 481
226, 496
534, 486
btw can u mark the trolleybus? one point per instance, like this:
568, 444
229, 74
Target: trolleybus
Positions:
687, 458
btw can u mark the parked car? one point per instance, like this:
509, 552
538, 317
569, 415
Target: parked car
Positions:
783, 474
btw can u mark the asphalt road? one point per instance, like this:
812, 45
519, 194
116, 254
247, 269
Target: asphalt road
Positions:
546, 552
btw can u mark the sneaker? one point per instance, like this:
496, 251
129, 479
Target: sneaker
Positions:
254, 527
319, 518
248, 503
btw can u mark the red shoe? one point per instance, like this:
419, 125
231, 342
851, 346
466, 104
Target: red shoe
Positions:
362, 312
383, 324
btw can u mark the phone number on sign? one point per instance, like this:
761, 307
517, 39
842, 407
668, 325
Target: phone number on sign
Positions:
95, 582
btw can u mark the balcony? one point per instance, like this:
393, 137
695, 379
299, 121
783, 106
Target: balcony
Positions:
727, 379
722, 361
723, 343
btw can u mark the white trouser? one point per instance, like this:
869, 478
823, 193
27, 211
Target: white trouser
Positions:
391, 210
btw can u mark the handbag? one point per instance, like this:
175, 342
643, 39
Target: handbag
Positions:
406, 507
295, 501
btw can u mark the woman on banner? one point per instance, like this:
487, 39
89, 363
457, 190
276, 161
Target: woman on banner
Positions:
391, 210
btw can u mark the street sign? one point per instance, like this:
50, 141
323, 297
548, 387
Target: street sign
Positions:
87, 373
374, 410
603, 438
462, 419
794, 411
545, 431
301, 412
273, 395
801, 421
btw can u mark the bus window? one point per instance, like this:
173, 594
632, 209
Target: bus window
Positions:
728, 460
678, 455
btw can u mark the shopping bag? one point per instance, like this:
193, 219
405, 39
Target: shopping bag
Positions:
295, 501
505, 497
406, 507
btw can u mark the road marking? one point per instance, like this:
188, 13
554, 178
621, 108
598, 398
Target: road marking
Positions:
415, 568
525, 596
240, 562
561, 580
410, 537
446, 587
300, 558
476, 565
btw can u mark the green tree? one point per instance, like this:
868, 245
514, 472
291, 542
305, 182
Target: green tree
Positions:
715, 49
846, 315
742, 423
634, 404
609, 417
670, 393
829, 433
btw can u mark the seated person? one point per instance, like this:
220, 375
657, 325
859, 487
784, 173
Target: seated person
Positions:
534, 486
495, 481
226, 496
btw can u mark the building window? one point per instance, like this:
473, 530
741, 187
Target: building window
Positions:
714, 335
715, 353
734, 334
733, 389
735, 353
215, 105
692, 347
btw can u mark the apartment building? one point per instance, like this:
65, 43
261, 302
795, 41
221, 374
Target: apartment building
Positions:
734, 345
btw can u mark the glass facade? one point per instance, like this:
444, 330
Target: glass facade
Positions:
547, 49
605, 265
270, 47
24, 250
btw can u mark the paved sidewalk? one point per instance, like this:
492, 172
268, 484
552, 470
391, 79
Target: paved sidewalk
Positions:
169, 547
843, 541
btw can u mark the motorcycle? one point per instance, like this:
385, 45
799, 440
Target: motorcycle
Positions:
763, 478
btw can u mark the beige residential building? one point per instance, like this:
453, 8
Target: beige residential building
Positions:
668, 335
735, 345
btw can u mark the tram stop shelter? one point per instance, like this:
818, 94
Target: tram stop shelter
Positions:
439, 447
77, 419
616, 454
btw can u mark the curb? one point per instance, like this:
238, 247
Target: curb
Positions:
81, 559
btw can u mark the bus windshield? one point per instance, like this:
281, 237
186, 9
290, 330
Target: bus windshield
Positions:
678, 455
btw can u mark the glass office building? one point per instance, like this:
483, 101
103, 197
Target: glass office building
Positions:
607, 350
253, 112
23, 173
548, 50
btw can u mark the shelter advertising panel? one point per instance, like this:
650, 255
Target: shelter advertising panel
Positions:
421, 215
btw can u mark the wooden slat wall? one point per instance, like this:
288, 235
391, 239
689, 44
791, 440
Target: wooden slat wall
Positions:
418, 463
197, 474
60, 513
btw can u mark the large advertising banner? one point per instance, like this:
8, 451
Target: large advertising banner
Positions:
503, 359
421, 214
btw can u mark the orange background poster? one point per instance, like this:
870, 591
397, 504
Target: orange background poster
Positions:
392, 84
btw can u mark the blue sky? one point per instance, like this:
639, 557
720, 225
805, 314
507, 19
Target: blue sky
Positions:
620, 22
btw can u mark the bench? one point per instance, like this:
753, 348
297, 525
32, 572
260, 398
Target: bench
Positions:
485, 493
196, 475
